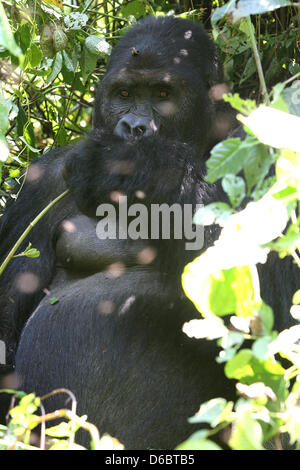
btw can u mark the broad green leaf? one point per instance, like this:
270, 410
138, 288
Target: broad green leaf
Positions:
214, 213
240, 104
56, 67
248, 369
257, 164
257, 7
221, 12
88, 63
7, 39
4, 151
32, 149
76, 21
275, 128
246, 433
97, 46
249, 70
198, 441
211, 327
210, 412
227, 157
221, 292
69, 64
35, 55
296, 297
25, 130
260, 347
23, 36
5, 107
136, 8
235, 188
291, 97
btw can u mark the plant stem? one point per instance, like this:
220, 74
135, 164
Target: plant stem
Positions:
29, 228
258, 61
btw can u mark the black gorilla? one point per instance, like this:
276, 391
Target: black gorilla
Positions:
113, 336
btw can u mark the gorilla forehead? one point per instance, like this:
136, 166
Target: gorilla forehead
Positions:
163, 42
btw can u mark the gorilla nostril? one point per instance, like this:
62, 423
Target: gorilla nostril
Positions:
139, 131
126, 128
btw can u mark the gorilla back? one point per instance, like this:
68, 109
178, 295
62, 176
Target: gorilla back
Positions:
114, 335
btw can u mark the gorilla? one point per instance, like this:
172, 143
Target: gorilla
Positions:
100, 312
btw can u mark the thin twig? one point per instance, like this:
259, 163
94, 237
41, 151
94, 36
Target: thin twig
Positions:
29, 228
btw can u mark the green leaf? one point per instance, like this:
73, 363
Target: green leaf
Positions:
135, 8
35, 55
260, 347
240, 104
97, 46
7, 39
235, 188
4, 151
23, 36
246, 433
214, 213
32, 149
5, 107
56, 67
88, 63
258, 161
210, 412
296, 297
291, 97
274, 128
198, 441
60, 430
257, 7
53, 300
25, 130
221, 12
227, 157
68, 62
76, 21
248, 369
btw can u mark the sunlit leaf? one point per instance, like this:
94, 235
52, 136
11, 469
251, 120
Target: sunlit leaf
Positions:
246, 433
56, 67
235, 188
7, 39
216, 212
35, 55
210, 412
198, 441
275, 128
4, 150
76, 20
228, 157
56, 3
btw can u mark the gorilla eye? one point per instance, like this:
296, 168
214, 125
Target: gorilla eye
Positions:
163, 94
124, 93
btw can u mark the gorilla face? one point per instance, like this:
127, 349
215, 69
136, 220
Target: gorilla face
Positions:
144, 103
157, 83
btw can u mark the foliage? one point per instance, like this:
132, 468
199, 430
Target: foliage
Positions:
24, 420
52, 56
263, 216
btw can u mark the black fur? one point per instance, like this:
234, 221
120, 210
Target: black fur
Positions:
114, 337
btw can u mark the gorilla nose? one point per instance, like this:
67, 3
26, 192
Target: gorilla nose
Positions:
129, 128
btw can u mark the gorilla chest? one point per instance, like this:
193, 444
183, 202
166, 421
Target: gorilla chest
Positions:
80, 249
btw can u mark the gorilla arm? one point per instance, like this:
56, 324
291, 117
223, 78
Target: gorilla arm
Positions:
23, 282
